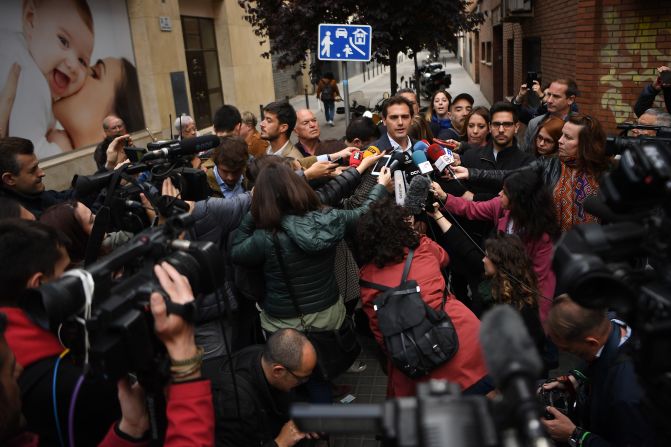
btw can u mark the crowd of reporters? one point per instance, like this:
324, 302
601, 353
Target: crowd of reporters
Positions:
297, 226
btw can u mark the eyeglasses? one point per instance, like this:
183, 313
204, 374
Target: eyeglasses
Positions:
505, 124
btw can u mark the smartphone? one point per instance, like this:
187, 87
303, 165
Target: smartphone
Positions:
665, 77
381, 163
531, 77
134, 154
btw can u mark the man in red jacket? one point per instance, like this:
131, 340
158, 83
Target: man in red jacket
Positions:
36, 253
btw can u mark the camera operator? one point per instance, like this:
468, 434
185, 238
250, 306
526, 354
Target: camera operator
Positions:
607, 393
190, 411
651, 117
647, 96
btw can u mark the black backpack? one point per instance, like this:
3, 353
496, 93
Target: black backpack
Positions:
417, 337
327, 92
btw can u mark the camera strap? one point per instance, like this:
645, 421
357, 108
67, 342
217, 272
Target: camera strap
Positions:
88, 286
186, 311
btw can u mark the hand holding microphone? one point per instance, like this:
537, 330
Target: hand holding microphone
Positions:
438, 192
384, 179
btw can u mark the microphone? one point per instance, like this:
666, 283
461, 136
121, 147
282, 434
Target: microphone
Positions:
355, 158
418, 191
420, 160
371, 150
597, 206
441, 158
189, 146
399, 187
396, 159
421, 145
514, 364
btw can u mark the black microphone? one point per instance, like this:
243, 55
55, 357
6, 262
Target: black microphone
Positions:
189, 146
397, 159
418, 191
514, 364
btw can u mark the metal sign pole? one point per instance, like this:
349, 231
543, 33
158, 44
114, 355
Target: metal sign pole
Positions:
345, 88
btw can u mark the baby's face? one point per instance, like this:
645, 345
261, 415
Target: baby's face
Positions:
61, 44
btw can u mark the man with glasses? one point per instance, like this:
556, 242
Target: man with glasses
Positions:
500, 153
559, 99
258, 413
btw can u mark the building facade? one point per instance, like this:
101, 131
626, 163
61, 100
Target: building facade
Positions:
610, 47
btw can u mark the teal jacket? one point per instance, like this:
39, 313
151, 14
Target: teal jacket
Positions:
308, 245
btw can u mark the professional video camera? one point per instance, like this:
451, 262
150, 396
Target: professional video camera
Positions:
617, 145
114, 310
626, 265
165, 159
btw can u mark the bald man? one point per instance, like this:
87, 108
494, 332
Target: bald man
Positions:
608, 394
308, 132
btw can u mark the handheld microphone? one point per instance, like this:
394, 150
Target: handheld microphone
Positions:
421, 145
189, 146
355, 158
397, 159
418, 191
399, 187
371, 150
441, 158
514, 364
420, 160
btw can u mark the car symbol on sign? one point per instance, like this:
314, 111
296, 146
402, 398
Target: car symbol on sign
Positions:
341, 32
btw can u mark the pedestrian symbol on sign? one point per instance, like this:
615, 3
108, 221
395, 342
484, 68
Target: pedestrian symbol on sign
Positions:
344, 42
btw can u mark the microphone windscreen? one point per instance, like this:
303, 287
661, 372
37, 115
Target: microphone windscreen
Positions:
434, 152
418, 191
419, 157
420, 146
596, 206
355, 158
507, 346
371, 150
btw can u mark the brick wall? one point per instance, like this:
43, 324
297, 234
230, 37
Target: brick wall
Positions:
627, 40
487, 35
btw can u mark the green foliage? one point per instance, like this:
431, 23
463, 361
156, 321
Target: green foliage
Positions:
398, 26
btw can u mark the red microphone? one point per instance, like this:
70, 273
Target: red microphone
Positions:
355, 158
440, 157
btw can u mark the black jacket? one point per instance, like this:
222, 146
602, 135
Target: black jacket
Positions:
37, 203
483, 158
550, 168
647, 98
612, 410
263, 409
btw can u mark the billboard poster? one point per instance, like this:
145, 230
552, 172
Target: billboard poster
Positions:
67, 64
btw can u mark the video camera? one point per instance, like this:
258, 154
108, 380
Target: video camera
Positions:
438, 416
116, 317
626, 265
165, 159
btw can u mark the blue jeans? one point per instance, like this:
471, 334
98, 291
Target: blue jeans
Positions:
329, 109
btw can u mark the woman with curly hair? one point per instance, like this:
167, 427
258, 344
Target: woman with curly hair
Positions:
383, 254
514, 282
524, 208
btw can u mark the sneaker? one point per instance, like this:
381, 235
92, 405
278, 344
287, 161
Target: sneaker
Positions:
331, 124
357, 367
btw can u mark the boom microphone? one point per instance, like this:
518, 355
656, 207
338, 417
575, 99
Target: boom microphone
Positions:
420, 160
189, 146
514, 364
418, 191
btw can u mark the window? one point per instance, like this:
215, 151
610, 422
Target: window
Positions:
488, 53
202, 63
483, 52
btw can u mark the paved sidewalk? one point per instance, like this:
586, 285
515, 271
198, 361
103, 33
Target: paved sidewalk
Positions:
375, 87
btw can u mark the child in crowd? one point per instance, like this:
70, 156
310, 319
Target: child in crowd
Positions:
53, 53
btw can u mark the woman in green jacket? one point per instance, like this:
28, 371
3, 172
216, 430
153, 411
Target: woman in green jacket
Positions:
286, 215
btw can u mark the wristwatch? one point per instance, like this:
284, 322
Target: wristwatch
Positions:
577, 437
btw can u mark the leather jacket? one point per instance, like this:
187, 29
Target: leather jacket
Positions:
550, 168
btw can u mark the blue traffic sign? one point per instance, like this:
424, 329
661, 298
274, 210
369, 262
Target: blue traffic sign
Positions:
344, 42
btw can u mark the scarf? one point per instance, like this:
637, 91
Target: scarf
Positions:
444, 123
572, 188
